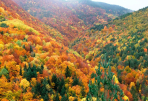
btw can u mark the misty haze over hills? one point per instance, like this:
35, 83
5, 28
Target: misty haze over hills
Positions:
72, 15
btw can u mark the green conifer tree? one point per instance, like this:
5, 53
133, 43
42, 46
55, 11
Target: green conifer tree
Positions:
55, 80
45, 97
44, 92
48, 80
134, 94
29, 74
61, 84
83, 93
31, 50
67, 73
20, 70
64, 98
42, 67
25, 68
56, 98
75, 81
34, 71
63, 91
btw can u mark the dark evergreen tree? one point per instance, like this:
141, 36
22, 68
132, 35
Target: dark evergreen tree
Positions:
25, 68
1, 32
4, 25
48, 80
46, 98
134, 94
39, 70
25, 56
83, 92
63, 91
34, 91
137, 86
31, 50
24, 46
44, 89
20, 70
56, 98
145, 90
64, 98
61, 84
55, 80
29, 65
42, 67
34, 71
37, 89
144, 98
75, 81
40, 89
93, 75
67, 72
28, 74
119, 75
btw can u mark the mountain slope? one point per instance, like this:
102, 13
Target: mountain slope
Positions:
33, 66
112, 9
70, 17
17, 12
124, 41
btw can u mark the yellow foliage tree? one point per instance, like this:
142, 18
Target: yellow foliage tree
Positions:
4, 86
1, 48
24, 83
132, 84
28, 96
33, 81
2, 10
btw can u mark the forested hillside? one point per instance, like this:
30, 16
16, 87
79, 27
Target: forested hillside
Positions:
33, 66
124, 41
18, 13
71, 17
80, 54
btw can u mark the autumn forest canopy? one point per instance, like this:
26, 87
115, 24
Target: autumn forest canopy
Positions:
72, 50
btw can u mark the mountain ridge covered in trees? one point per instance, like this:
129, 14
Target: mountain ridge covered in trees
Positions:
71, 16
106, 62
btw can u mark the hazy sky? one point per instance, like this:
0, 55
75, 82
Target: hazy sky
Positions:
130, 4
